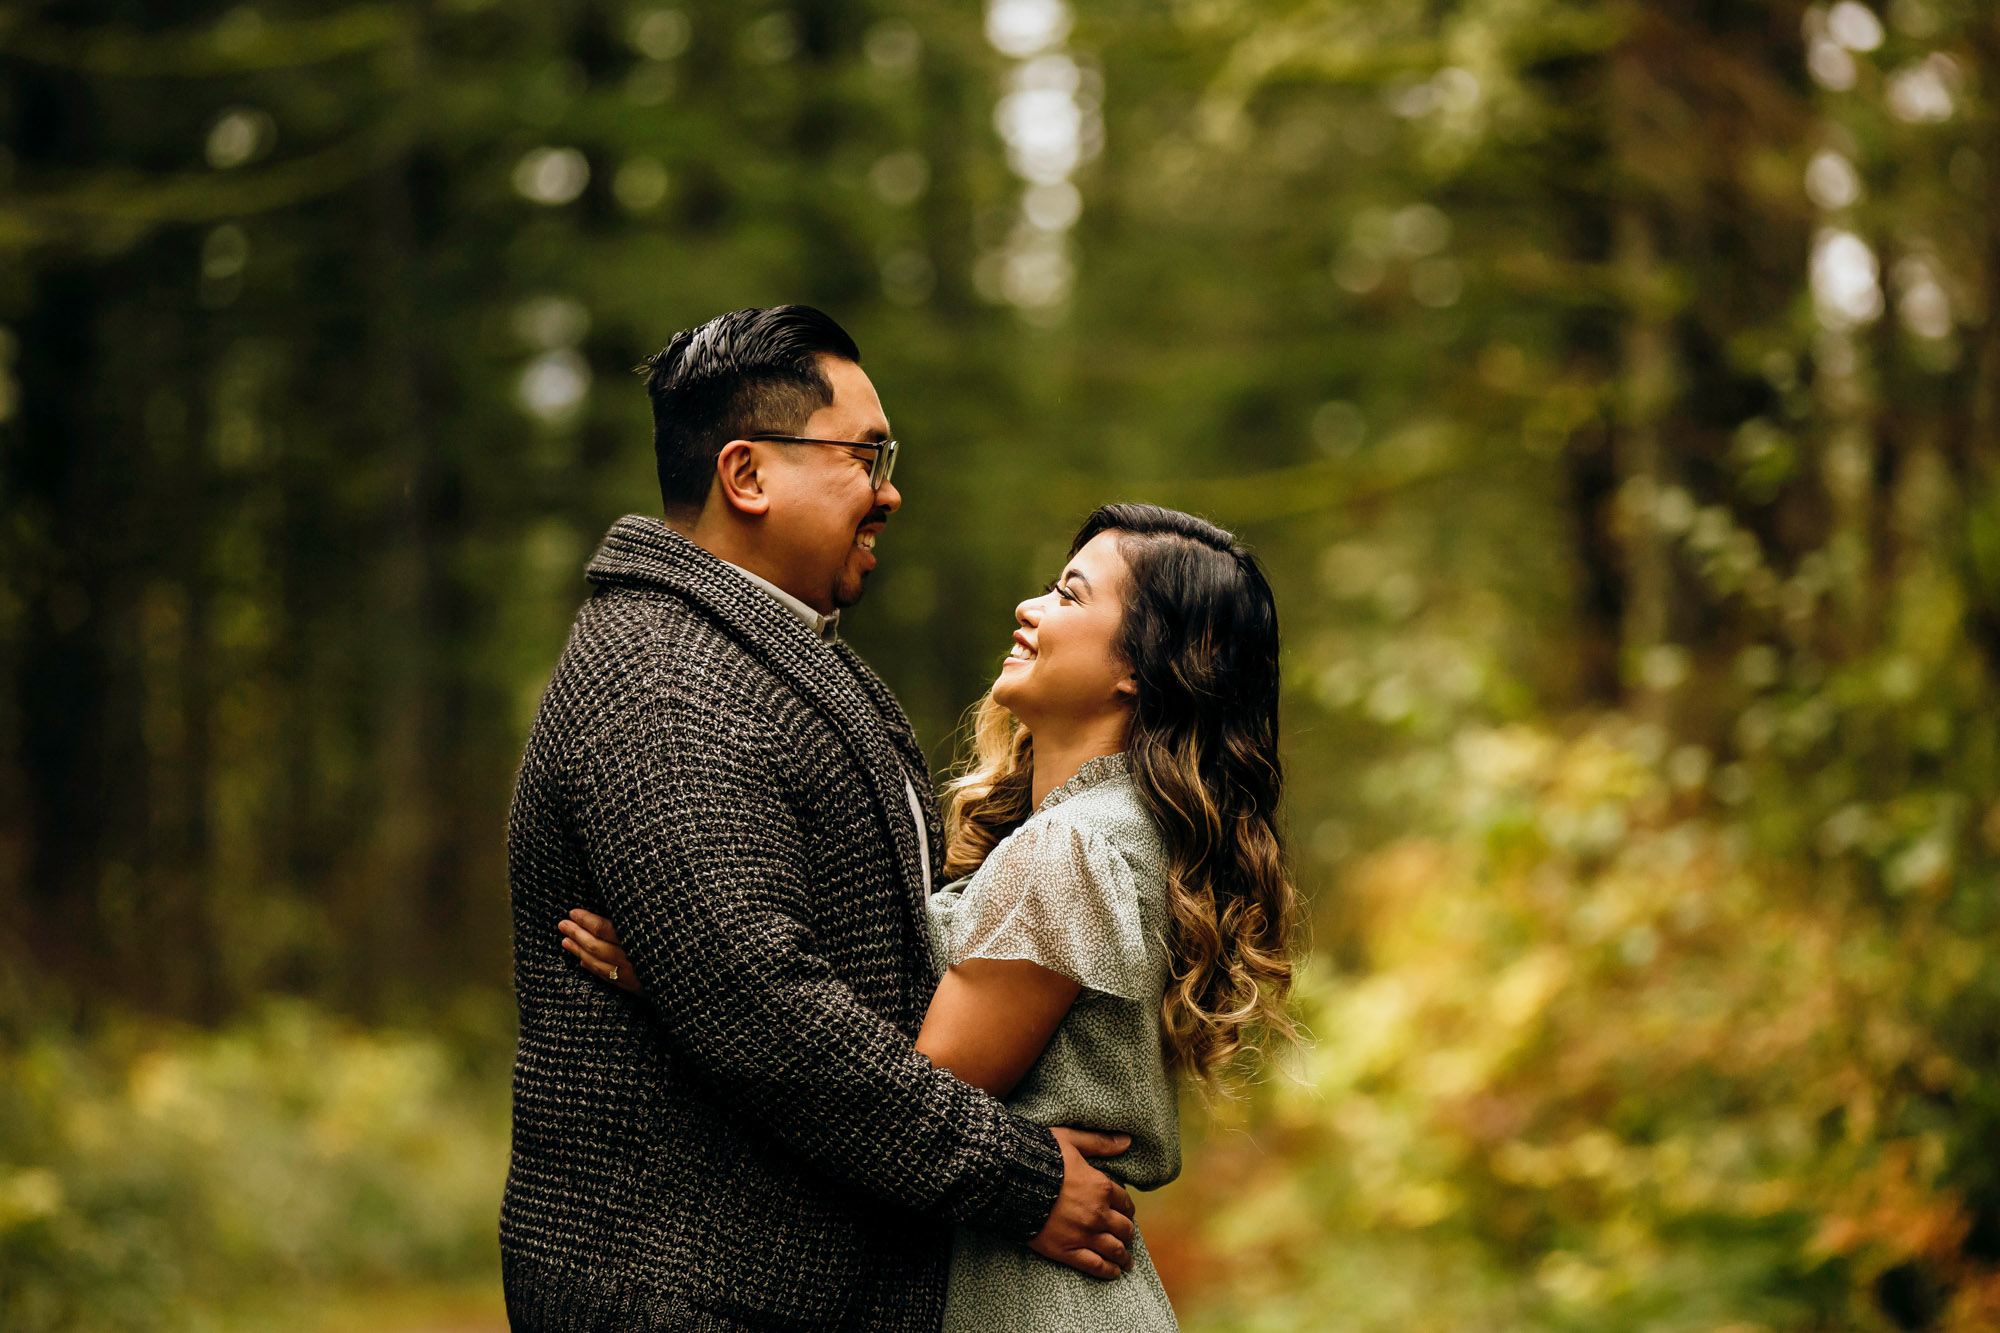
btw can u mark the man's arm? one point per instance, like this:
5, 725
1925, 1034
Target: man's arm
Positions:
700, 863
954, 1040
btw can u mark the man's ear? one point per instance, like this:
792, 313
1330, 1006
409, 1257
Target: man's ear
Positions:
739, 476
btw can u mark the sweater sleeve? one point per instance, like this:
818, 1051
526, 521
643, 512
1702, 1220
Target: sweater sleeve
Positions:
701, 863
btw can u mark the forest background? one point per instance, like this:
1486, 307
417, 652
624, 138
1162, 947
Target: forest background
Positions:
1610, 389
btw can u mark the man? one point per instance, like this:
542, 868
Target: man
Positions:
754, 1143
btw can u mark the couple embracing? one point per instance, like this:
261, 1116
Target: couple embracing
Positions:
812, 1055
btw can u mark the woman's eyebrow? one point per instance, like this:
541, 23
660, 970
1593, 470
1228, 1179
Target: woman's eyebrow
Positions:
1073, 575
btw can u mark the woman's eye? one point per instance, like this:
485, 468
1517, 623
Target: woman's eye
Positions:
1062, 592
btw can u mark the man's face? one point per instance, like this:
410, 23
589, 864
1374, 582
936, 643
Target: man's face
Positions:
824, 515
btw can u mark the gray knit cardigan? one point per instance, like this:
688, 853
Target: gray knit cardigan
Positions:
754, 1144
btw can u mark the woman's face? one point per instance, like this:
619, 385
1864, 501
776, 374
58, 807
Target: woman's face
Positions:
1065, 672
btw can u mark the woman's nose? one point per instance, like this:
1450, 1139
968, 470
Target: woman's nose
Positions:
1028, 612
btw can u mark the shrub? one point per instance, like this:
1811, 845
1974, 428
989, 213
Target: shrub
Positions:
150, 1173
1601, 1067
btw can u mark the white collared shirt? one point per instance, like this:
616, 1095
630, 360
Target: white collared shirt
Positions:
828, 627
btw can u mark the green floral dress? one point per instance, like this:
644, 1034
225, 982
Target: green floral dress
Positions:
1080, 889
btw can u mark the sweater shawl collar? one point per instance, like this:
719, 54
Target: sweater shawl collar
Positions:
644, 553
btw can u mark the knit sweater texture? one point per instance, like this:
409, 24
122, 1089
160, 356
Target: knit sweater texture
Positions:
753, 1144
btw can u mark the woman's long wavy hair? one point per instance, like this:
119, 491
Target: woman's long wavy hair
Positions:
1199, 631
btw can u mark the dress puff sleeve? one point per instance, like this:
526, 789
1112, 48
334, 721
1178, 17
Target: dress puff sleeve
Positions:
1059, 895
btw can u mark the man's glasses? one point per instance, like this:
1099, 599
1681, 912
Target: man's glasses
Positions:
878, 471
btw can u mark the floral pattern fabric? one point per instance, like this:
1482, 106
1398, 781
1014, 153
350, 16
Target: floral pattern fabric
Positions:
1080, 889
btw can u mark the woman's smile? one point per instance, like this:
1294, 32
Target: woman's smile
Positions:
1064, 674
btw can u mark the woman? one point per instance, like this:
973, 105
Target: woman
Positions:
1121, 914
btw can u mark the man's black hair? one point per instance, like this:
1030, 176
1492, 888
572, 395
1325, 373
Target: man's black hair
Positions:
739, 374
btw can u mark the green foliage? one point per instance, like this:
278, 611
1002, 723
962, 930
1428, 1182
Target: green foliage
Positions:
1624, 1071
1679, 1017
157, 1177
1608, 387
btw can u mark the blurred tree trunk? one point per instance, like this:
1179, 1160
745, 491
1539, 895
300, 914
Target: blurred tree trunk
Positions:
396, 894
1973, 430
61, 673
1645, 395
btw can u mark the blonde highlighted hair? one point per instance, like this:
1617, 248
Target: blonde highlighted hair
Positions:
1199, 630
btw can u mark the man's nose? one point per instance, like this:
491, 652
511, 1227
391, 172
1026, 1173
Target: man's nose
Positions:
888, 497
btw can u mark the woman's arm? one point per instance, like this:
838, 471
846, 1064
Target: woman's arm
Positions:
987, 1023
991, 1018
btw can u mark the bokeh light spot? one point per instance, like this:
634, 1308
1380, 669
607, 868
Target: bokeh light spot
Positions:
772, 39
1830, 65
224, 252
1924, 306
1436, 283
1845, 279
1831, 180
239, 136
546, 322
551, 176
1022, 28
1854, 26
641, 183
1054, 206
893, 47
661, 34
1922, 93
900, 179
554, 385
1420, 229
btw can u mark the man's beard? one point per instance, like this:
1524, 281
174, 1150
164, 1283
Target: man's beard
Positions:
846, 594
849, 588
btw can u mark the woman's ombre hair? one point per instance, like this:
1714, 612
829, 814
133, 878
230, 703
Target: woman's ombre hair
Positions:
1199, 631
